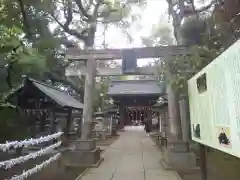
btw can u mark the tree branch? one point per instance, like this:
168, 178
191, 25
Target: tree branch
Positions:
177, 19
25, 19
65, 26
83, 12
95, 11
206, 7
69, 16
203, 8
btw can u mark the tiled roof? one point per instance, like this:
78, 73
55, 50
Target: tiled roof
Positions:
61, 98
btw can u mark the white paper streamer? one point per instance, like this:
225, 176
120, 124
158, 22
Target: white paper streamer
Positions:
12, 162
36, 169
28, 142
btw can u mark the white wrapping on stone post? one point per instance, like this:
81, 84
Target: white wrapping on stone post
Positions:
28, 142
36, 169
12, 162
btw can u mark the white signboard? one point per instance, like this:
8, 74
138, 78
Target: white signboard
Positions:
214, 98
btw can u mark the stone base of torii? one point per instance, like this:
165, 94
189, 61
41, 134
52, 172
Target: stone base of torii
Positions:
177, 154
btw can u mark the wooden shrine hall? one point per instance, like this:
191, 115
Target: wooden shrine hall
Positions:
135, 99
42, 103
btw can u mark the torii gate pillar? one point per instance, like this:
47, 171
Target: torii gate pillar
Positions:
178, 155
86, 153
174, 114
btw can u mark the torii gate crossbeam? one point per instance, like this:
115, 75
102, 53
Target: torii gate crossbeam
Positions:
141, 53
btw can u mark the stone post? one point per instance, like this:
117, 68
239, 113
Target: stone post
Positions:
111, 122
162, 123
165, 121
175, 131
122, 116
185, 119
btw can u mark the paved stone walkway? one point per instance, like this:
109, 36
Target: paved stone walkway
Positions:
132, 157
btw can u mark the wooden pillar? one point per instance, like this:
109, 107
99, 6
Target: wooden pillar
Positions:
134, 115
174, 115
53, 122
122, 116
68, 123
33, 121
128, 117
149, 116
125, 117
86, 131
159, 122
42, 122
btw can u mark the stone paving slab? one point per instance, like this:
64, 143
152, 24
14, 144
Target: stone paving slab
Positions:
133, 156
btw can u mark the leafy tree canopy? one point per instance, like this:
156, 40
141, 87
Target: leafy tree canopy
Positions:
209, 30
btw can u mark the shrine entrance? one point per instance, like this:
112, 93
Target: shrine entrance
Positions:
135, 99
136, 115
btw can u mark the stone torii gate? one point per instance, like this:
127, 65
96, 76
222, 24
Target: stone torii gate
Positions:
90, 56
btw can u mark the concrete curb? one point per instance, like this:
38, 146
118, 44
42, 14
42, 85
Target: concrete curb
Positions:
83, 166
177, 175
82, 174
87, 169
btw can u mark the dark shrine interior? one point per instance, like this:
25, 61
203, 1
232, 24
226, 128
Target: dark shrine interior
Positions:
136, 100
136, 107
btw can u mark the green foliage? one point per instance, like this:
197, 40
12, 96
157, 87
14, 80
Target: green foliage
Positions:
27, 47
12, 126
101, 97
177, 70
184, 67
18, 58
9, 38
161, 35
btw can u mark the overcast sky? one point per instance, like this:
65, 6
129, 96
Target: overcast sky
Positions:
150, 16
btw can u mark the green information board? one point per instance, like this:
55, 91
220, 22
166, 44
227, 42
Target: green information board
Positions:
214, 99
